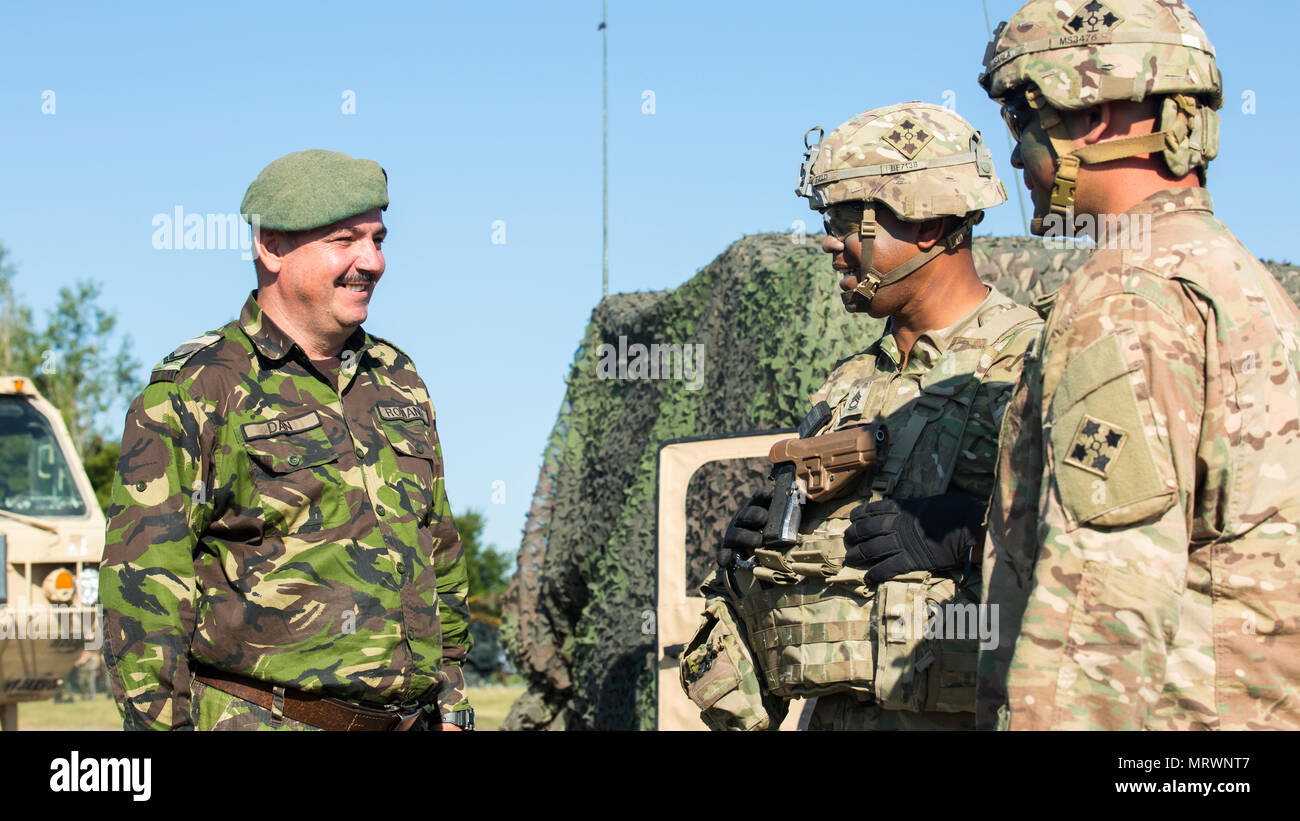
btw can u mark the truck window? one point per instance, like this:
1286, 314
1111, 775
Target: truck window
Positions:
34, 476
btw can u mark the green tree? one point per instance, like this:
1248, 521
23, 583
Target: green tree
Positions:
101, 464
73, 362
78, 370
15, 322
489, 571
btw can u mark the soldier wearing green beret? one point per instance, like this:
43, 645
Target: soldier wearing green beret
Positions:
280, 550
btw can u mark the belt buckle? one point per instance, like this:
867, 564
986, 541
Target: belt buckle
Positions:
407, 714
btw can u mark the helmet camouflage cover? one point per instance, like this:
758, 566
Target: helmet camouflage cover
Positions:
921, 160
1083, 52
1068, 55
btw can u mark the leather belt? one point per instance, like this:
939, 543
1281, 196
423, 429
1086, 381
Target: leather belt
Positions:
318, 711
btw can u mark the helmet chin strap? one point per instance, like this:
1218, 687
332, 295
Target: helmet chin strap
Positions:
870, 280
1069, 158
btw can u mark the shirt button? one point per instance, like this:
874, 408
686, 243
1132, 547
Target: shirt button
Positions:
140, 486
380, 510
401, 567
419, 448
295, 460
359, 454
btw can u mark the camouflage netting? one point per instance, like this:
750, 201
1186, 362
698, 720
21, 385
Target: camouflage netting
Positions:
710, 496
579, 612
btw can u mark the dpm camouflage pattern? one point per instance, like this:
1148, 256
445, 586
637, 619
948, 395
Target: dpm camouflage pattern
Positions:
899, 138
815, 626
211, 709
1143, 542
283, 523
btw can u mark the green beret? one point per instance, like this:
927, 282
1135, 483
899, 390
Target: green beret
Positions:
308, 189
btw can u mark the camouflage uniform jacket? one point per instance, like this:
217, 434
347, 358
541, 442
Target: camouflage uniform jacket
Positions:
1142, 542
945, 368
280, 522
953, 450
942, 410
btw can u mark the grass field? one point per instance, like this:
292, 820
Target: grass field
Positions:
491, 704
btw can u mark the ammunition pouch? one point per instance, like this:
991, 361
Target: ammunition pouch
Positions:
817, 628
719, 674
919, 666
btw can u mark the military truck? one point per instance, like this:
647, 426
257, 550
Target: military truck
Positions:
684, 552
51, 540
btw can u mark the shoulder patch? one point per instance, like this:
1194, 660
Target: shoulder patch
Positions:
1109, 467
171, 364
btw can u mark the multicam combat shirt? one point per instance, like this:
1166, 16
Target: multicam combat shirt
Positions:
1143, 541
284, 523
942, 408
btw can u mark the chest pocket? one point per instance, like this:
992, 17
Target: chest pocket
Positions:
861, 402
925, 435
414, 467
295, 474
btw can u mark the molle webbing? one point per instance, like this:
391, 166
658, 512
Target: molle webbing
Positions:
787, 634
925, 410
998, 330
811, 639
817, 628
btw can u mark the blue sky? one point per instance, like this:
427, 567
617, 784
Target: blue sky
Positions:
487, 112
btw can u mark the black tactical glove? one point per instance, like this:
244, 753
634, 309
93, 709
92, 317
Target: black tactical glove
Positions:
892, 537
745, 533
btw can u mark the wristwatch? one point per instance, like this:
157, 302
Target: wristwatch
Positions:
463, 719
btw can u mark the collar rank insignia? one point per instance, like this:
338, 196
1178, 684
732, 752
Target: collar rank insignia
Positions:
908, 138
1096, 446
1093, 18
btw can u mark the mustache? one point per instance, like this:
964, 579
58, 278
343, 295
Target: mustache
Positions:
359, 278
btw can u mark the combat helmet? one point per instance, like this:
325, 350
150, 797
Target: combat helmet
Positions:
920, 160
1068, 55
